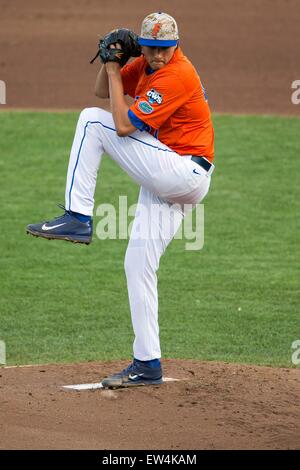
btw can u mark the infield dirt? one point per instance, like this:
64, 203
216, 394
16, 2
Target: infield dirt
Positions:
245, 52
214, 406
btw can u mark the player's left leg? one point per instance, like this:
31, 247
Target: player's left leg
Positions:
154, 226
149, 162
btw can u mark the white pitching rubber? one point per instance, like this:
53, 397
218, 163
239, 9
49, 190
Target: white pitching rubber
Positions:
99, 385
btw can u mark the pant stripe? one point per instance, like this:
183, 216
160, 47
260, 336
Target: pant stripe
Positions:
133, 138
112, 129
76, 164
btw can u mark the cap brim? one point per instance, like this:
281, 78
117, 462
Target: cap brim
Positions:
157, 42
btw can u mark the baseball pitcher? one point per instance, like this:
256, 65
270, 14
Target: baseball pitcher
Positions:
165, 142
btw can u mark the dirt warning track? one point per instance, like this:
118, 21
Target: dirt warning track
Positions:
245, 52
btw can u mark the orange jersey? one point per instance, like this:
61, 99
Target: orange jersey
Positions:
171, 104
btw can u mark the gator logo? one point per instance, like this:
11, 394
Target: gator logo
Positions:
145, 107
155, 30
154, 96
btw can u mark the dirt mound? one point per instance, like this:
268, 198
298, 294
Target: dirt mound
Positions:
213, 406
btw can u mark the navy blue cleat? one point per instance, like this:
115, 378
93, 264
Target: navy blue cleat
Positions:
137, 373
65, 227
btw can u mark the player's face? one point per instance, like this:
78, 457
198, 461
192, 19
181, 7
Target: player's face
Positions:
158, 57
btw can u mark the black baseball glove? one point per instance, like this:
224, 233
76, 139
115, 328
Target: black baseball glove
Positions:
128, 41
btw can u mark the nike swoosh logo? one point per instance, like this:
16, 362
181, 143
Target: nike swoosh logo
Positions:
194, 171
133, 376
44, 227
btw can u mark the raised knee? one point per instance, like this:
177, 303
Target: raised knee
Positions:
92, 114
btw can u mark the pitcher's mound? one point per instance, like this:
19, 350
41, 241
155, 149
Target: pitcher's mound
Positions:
211, 406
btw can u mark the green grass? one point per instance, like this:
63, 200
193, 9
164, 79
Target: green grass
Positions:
236, 300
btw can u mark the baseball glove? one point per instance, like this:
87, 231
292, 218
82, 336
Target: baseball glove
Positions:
128, 41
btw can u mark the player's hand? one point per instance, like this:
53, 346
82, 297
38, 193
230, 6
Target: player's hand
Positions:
113, 66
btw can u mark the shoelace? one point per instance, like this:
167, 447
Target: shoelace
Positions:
61, 206
62, 215
129, 368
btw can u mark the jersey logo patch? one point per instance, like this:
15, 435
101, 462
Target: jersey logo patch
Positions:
154, 96
145, 107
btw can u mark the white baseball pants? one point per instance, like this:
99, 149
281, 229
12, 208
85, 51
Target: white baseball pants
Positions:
167, 182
